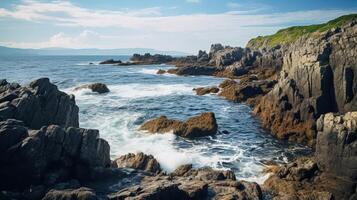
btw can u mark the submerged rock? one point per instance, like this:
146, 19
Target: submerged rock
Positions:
202, 125
95, 87
206, 90
138, 161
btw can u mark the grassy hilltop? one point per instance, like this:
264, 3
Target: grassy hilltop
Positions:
290, 35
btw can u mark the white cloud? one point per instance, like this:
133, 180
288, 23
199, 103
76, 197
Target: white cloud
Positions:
149, 28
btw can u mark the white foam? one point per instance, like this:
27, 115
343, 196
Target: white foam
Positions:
149, 71
88, 63
132, 91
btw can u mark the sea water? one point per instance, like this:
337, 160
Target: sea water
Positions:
138, 94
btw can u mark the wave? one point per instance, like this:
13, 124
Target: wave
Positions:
133, 91
95, 63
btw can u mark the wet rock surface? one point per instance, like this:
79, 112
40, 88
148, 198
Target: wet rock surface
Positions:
95, 87
206, 90
197, 126
139, 161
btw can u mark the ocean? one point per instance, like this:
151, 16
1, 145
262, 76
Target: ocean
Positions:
137, 94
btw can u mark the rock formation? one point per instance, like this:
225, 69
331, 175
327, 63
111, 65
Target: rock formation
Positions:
202, 125
110, 61
188, 183
38, 104
95, 87
317, 77
138, 161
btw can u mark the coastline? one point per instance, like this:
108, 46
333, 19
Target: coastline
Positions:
303, 92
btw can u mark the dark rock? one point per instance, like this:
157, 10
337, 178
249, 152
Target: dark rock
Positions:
71, 194
202, 125
110, 61
49, 155
194, 70
38, 104
95, 87
138, 161
148, 59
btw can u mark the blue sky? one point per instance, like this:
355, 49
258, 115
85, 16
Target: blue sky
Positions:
181, 25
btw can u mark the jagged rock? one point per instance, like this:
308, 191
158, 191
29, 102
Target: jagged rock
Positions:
202, 125
110, 61
304, 180
336, 147
202, 56
248, 92
206, 90
48, 155
138, 161
71, 194
38, 104
95, 87
188, 183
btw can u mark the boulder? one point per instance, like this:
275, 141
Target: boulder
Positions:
138, 161
95, 87
38, 104
245, 91
197, 126
110, 61
206, 90
202, 125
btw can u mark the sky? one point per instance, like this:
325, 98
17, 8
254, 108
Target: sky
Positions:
175, 25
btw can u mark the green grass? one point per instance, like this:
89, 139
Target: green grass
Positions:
290, 35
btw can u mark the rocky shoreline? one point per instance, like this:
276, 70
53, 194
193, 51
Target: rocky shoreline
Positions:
292, 87
45, 155
303, 91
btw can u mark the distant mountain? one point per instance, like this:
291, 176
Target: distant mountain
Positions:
66, 51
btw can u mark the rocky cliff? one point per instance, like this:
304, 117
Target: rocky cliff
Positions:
317, 77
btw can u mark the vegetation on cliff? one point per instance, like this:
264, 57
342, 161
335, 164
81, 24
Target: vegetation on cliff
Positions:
291, 34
